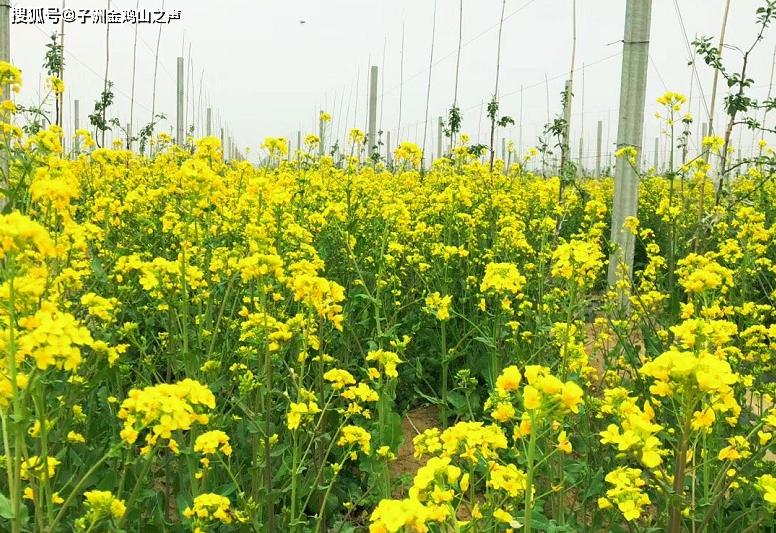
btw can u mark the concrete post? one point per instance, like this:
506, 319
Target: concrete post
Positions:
322, 136
633, 89
372, 134
77, 125
440, 136
5, 55
209, 124
581, 152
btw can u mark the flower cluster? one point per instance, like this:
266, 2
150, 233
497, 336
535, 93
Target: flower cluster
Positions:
164, 409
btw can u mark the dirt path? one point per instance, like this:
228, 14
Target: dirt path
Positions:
416, 422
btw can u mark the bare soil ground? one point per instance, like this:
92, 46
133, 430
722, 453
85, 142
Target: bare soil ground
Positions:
416, 422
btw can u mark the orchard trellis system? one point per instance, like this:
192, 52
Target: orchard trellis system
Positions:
629, 133
193, 115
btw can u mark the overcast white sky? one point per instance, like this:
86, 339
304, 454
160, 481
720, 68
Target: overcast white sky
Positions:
265, 74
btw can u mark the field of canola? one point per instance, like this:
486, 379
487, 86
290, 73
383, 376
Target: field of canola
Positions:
189, 345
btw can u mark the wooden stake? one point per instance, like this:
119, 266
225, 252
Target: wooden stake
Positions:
60, 114
428, 90
401, 86
520, 131
388, 158
105, 80
599, 137
134, 70
156, 71
180, 140
440, 136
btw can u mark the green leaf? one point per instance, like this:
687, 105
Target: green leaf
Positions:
99, 272
539, 521
596, 484
394, 434
6, 509
429, 399
486, 341
456, 399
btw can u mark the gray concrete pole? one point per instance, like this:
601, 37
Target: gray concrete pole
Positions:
322, 136
77, 124
209, 125
5, 55
657, 153
5, 40
504, 155
299, 141
180, 140
224, 152
581, 151
633, 93
440, 136
372, 136
599, 137
129, 136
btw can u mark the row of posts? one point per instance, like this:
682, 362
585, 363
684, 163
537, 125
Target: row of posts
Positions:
231, 151
372, 132
228, 146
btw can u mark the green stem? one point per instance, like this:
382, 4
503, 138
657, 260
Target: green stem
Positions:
267, 418
529, 477
326, 497
16, 492
444, 375
77, 489
7, 450
681, 465
294, 470
46, 495
138, 482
